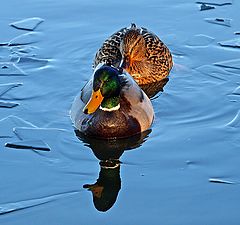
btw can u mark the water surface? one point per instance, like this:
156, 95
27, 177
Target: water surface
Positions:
185, 171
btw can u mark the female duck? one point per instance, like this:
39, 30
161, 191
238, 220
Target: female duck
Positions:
111, 105
141, 53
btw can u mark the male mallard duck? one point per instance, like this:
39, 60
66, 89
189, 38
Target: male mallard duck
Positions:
141, 53
111, 105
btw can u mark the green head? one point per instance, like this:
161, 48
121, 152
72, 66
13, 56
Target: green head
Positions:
106, 90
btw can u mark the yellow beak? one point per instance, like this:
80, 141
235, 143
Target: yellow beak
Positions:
93, 103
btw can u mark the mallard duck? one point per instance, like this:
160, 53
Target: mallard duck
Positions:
111, 105
140, 52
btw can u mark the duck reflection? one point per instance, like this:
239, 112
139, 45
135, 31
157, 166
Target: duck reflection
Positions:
105, 190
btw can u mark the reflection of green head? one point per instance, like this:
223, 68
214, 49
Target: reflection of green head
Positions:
105, 190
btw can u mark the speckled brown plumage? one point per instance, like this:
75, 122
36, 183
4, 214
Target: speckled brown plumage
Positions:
139, 51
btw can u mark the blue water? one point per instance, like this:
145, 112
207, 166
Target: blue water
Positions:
165, 177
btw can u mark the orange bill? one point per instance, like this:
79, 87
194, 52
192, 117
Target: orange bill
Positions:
94, 102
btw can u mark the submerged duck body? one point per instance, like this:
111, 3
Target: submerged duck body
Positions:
140, 52
111, 105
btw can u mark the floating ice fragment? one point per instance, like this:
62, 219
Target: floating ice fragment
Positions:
22, 51
27, 24
220, 181
4, 104
216, 2
200, 40
235, 122
38, 133
220, 21
4, 88
233, 64
31, 62
8, 123
206, 7
25, 39
20, 205
233, 43
10, 69
29, 144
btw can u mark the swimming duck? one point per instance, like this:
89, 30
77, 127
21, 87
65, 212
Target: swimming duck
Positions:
111, 105
140, 52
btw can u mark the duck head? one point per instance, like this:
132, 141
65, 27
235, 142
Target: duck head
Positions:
106, 90
132, 48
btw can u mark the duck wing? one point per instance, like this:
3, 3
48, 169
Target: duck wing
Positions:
136, 103
157, 52
109, 52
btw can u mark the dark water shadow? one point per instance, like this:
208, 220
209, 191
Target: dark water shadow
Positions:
154, 88
106, 189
